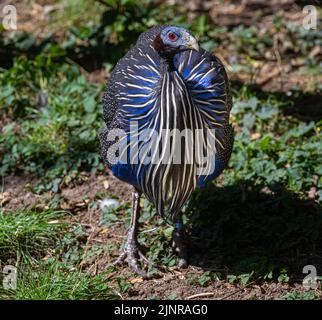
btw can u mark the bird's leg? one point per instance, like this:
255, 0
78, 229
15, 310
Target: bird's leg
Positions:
179, 243
131, 251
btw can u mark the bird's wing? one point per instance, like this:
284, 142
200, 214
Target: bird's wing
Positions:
131, 103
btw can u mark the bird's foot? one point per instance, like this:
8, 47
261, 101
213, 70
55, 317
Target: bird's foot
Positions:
179, 245
132, 254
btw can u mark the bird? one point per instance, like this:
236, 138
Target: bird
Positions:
164, 86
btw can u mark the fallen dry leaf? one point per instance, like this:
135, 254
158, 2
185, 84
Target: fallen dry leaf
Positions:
4, 198
104, 230
80, 204
106, 184
255, 136
312, 193
65, 206
136, 280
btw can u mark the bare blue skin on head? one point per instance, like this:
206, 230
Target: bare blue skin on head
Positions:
176, 38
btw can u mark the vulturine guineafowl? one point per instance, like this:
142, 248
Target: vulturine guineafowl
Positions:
166, 109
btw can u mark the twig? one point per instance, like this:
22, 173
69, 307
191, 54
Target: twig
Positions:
18, 258
98, 240
274, 73
84, 71
279, 59
233, 293
198, 295
150, 230
87, 246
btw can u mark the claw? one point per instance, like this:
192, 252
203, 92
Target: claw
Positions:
130, 255
131, 252
120, 260
145, 259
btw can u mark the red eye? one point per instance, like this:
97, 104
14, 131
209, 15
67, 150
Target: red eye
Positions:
172, 36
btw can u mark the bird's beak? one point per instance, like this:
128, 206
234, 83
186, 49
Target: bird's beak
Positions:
191, 42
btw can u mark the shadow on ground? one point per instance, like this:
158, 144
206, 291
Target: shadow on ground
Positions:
243, 228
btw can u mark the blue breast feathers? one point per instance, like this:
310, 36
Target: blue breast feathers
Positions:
140, 102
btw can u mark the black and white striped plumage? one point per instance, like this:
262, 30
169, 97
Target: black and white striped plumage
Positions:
186, 89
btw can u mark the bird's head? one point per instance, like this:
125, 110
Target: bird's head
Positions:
174, 39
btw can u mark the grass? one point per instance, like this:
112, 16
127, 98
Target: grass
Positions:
53, 280
41, 246
28, 232
260, 221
